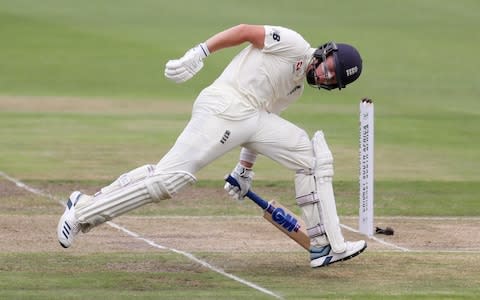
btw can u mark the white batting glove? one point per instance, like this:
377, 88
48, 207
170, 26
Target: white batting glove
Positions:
244, 177
182, 69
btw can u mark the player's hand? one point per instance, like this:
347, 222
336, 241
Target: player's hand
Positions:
184, 68
244, 177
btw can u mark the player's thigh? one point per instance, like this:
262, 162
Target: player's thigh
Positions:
282, 141
205, 138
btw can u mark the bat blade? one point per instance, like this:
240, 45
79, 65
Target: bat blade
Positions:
280, 216
288, 223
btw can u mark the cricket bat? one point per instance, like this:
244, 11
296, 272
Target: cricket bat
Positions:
280, 216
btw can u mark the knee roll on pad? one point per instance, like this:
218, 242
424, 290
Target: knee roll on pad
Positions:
129, 178
162, 186
323, 156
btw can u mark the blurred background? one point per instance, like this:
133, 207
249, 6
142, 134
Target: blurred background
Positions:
83, 96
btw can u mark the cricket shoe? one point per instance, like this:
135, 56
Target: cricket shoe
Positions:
68, 226
323, 256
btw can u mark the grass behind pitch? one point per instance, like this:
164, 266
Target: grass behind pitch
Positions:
418, 58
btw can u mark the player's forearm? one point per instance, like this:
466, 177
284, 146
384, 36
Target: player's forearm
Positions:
234, 36
247, 158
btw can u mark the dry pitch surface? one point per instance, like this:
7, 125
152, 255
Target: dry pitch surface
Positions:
28, 224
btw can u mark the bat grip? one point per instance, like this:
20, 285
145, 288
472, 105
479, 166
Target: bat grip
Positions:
251, 195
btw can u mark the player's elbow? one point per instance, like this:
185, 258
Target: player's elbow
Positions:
254, 34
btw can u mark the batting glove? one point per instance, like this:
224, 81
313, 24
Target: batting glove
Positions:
244, 177
182, 69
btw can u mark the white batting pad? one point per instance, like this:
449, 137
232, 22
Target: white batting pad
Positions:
105, 206
307, 199
129, 178
323, 176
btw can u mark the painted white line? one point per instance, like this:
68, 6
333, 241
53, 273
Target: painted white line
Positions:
182, 217
195, 259
420, 218
25, 187
259, 217
459, 251
152, 243
377, 239
252, 217
394, 247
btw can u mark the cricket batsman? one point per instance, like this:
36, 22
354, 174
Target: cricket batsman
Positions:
241, 109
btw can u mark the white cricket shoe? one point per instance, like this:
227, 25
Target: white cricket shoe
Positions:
68, 226
320, 257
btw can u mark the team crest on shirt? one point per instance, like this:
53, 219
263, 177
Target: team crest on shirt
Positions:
298, 69
298, 65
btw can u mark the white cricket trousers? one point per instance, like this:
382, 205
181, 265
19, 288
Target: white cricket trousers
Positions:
208, 136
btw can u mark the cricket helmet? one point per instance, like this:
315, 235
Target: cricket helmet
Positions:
348, 64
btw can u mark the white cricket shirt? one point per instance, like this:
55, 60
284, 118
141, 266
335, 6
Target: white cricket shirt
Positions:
261, 79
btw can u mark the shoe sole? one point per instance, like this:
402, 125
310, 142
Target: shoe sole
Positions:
345, 258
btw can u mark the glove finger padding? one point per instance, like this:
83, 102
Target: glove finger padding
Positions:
235, 194
244, 177
173, 71
173, 64
181, 70
177, 72
232, 191
178, 75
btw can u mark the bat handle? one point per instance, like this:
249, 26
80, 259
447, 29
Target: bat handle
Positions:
251, 195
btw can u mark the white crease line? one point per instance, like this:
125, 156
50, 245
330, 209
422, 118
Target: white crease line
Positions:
377, 239
420, 218
206, 217
25, 187
252, 217
195, 259
464, 251
248, 217
152, 243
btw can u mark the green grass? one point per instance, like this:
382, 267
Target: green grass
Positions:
62, 276
168, 276
422, 49
83, 99
49, 145
418, 69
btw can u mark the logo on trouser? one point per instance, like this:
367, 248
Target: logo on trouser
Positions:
225, 136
